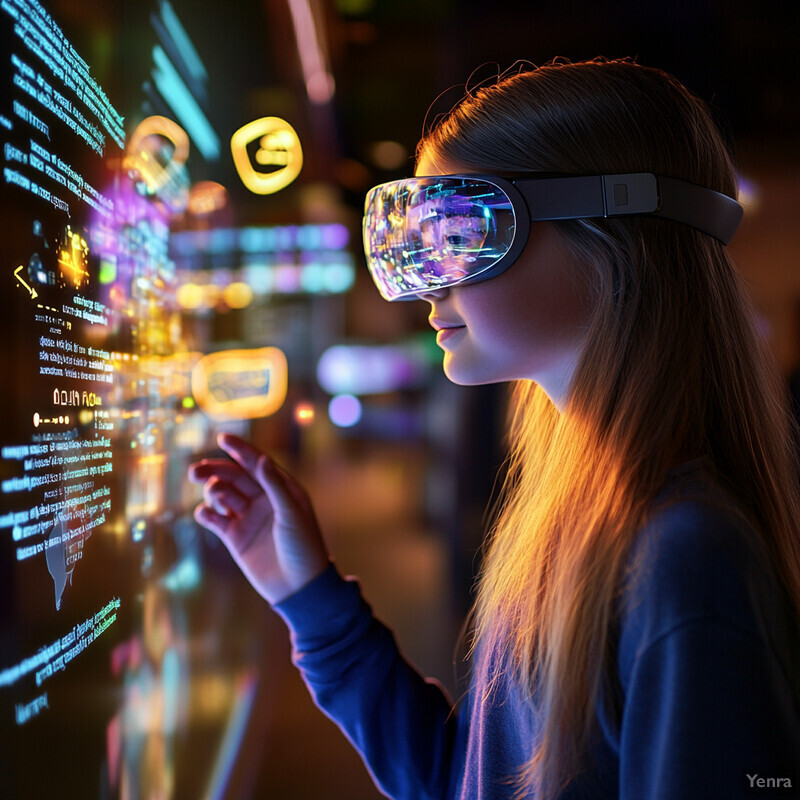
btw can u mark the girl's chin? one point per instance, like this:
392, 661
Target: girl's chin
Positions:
462, 375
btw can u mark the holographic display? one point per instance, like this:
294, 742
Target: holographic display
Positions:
101, 565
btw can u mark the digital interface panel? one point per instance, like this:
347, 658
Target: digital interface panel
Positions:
105, 591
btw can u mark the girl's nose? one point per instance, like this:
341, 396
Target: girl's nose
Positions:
433, 294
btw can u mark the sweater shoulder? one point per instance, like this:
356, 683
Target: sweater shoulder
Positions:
697, 559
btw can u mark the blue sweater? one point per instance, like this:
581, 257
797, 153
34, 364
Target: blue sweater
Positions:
708, 661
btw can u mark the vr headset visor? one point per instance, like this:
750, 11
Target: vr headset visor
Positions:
427, 233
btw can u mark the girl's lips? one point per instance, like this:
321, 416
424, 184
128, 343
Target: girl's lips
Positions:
446, 333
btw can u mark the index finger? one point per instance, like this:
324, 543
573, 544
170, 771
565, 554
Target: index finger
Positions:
242, 452
234, 474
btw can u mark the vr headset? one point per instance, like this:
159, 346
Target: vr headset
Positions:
428, 233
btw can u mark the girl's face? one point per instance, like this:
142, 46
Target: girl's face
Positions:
526, 323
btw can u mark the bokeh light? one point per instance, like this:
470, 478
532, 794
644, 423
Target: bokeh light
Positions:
344, 410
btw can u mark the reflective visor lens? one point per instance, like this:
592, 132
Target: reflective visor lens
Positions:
429, 233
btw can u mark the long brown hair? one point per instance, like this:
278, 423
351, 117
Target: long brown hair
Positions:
672, 368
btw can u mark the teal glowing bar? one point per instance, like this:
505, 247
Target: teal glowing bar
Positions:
182, 42
172, 88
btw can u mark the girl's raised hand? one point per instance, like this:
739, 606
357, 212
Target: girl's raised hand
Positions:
263, 516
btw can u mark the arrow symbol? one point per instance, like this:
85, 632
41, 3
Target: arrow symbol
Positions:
34, 293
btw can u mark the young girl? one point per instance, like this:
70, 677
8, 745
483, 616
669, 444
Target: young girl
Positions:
636, 629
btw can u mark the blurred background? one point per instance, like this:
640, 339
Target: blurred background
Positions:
236, 298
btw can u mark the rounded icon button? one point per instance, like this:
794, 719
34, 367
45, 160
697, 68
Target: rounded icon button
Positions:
279, 146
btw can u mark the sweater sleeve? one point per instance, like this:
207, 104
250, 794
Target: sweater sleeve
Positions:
402, 725
708, 716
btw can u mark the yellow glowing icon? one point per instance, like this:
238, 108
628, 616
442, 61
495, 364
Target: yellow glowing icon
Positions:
143, 152
34, 294
241, 384
278, 150
73, 259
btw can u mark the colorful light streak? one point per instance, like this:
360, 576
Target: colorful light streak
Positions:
235, 730
320, 84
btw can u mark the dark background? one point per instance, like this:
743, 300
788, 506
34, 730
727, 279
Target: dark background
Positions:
406, 513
